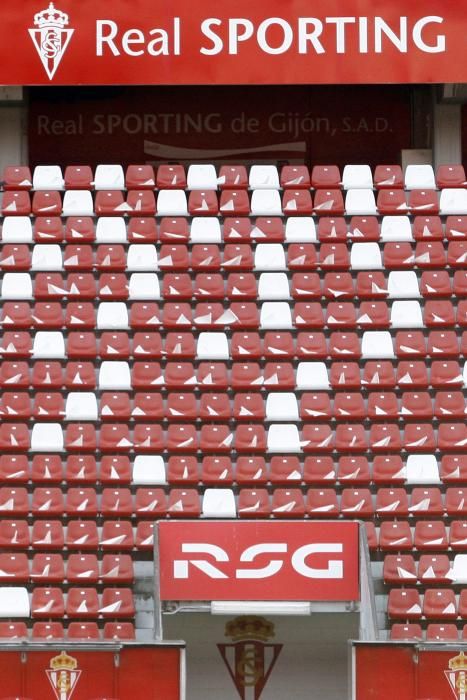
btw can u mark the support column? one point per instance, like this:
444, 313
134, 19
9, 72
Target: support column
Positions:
447, 136
13, 125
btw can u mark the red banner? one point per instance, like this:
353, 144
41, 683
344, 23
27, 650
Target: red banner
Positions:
316, 124
408, 672
269, 41
133, 672
259, 561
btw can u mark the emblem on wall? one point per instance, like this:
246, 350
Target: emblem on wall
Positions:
457, 676
63, 675
51, 37
250, 658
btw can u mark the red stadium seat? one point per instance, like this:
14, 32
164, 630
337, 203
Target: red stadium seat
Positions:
17, 177
48, 630
180, 406
82, 535
395, 536
16, 203
404, 604
83, 631
15, 258
80, 228
47, 603
82, 603
442, 633
251, 471
409, 632
430, 535
14, 534
399, 569
117, 568
427, 227
82, 568
14, 568
371, 285
439, 604
119, 630
233, 177
216, 471
391, 202
423, 201
253, 503
287, 503
318, 470
323, 176
315, 406
14, 469
354, 470
13, 630
332, 229
140, 202
171, 176
388, 176
150, 503
450, 176
183, 503
305, 285
356, 502
392, 503
78, 177
295, 176
434, 568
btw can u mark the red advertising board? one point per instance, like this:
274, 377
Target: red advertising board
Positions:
268, 41
232, 560
318, 124
131, 673
409, 672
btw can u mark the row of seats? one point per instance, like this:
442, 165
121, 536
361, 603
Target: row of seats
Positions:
268, 285
53, 568
201, 176
86, 503
253, 469
47, 262
426, 535
308, 376
276, 406
317, 345
52, 603
119, 535
303, 229
279, 315
221, 438
75, 631
263, 202
434, 632
85, 536
403, 569
141, 257
174, 293
118, 375
435, 603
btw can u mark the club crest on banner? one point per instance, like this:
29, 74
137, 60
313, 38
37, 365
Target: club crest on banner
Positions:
250, 659
63, 675
51, 37
457, 676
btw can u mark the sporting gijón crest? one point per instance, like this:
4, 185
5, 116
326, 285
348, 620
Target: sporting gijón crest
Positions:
249, 658
63, 675
51, 37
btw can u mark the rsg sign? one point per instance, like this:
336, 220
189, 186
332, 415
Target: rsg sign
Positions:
258, 561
